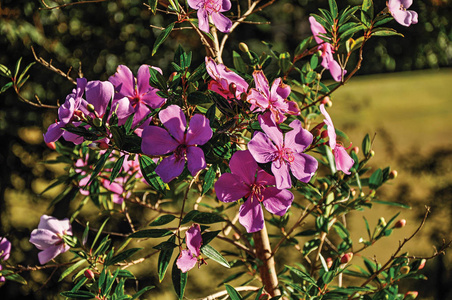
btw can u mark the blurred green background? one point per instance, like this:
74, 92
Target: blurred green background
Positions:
409, 111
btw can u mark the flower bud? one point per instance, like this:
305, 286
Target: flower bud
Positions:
89, 274
329, 262
90, 108
405, 270
411, 295
51, 145
400, 223
315, 132
347, 257
264, 296
232, 88
393, 174
353, 192
372, 193
325, 100
372, 153
244, 47
172, 76
103, 146
422, 265
97, 122
324, 134
355, 149
236, 236
382, 222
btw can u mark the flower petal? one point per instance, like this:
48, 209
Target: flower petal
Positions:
169, 168
270, 128
193, 239
329, 126
303, 167
195, 160
244, 166
262, 148
99, 93
261, 82
203, 20
251, 215
277, 201
173, 119
343, 160
43, 238
50, 253
199, 131
221, 22
5, 248
122, 108
54, 132
299, 138
280, 170
157, 141
186, 261
55, 225
230, 188
123, 81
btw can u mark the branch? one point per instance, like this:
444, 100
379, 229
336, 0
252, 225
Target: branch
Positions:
224, 293
47, 7
49, 66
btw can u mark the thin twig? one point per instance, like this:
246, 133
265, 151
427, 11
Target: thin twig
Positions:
49, 66
224, 293
47, 7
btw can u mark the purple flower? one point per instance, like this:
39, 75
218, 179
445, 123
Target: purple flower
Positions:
328, 61
179, 140
212, 8
273, 99
247, 180
285, 153
188, 258
225, 82
399, 12
139, 94
5, 248
343, 160
48, 237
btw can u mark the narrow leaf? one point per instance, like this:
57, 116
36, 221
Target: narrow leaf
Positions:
71, 269
179, 281
213, 254
162, 37
233, 293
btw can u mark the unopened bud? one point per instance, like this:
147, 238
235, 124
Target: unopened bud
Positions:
353, 192
51, 145
236, 236
325, 100
400, 223
329, 262
319, 53
97, 122
90, 108
324, 134
172, 76
355, 149
372, 153
411, 295
372, 193
393, 174
89, 274
103, 146
324, 186
244, 47
264, 296
405, 270
382, 222
315, 132
232, 88
422, 265
346, 257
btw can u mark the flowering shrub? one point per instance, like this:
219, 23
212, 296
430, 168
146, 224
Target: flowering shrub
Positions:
224, 133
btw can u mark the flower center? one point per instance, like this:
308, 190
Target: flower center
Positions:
212, 5
180, 151
286, 154
135, 99
256, 192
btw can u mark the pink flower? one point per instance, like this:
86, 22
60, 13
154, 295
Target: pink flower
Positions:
343, 160
179, 140
247, 180
284, 152
48, 237
5, 248
140, 96
274, 99
212, 8
225, 82
328, 61
188, 258
398, 9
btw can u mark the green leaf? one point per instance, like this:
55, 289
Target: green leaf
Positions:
16, 278
4, 71
99, 232
367, 12
179, 281
196, 98
392, 204
331, 160
99, 166
117, 168
209, 178
141, 292
164, 258
376, 179
385, 32
157, 80
189, 216
366, 146
207, 237
302, 46
151, 233
162, 220
233, 294
333, 8
213, 254
285, 62
153, 6
78, 295
207, 218
6, 87
302, 275
16, 69
147, 167
121, 256
21, 77
162, 37
71, 269
239, 64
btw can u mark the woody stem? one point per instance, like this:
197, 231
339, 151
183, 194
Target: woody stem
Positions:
267, 269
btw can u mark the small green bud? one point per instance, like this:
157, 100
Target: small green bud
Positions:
97, 122
393, 174
90, 108
405, 270
382, 222
244, 47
